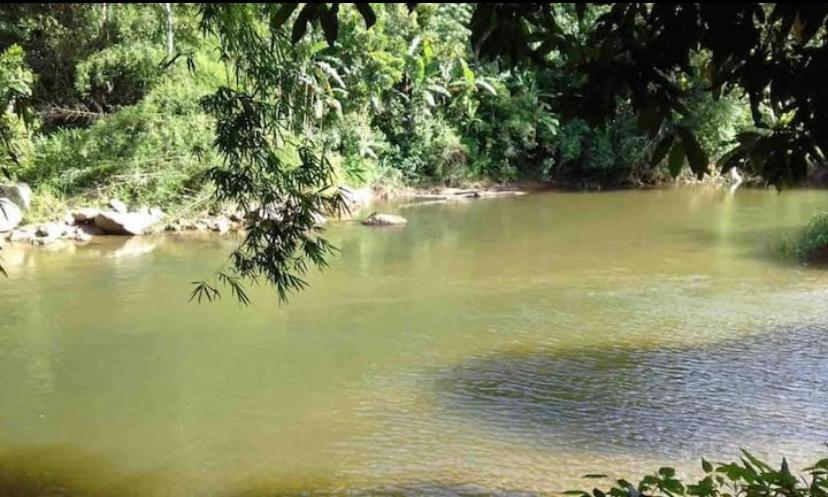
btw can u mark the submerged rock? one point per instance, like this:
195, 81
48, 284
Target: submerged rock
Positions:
378, 219
10, 215
131, 224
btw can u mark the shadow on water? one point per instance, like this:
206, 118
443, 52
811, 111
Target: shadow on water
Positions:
65, 471
771, 388
61, 470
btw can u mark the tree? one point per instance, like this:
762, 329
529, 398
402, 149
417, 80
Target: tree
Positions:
638, 55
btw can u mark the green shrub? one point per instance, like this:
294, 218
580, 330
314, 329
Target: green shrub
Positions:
152, 152
16, 82
810, 245
119, 75
749, 477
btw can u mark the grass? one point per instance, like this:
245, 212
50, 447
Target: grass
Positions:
811, 244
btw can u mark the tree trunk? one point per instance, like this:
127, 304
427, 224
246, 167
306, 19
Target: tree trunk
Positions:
170, 40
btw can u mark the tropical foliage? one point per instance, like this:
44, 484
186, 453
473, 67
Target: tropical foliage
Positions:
270, 106
748, 477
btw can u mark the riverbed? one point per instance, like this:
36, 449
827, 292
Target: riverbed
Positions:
503, 346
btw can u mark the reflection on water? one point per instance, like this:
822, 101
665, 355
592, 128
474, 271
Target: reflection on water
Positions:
504, 346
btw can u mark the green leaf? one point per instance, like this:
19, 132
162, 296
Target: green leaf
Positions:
676, 159
468, 74
300, 26
661, 149
485, 86
329, 22
650, 119
696, 156
667, 472
706, 466
756, 462
580, 9
367, 13
282, 15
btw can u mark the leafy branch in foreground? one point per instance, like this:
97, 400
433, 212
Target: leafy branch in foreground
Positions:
281, 178
749, 477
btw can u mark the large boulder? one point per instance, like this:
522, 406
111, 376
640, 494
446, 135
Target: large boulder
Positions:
130, 224
377, 219
19, 193
85, 214
10, 215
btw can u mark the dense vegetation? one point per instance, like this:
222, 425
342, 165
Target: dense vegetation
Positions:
97, 103
810, 246
273, 104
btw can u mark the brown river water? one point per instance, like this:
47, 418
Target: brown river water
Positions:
502, 346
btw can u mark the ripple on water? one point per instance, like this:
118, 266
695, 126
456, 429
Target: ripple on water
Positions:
768, 389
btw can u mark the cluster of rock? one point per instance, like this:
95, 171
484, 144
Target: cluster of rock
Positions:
115, 218
219, 223
379, 219
82, 224
448, 195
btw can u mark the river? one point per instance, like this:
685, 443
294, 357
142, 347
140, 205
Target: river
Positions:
497, 346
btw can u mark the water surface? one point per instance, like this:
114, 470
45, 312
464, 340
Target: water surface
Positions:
503, 346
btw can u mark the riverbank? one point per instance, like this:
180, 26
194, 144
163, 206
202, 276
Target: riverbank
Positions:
79, 221
114, 217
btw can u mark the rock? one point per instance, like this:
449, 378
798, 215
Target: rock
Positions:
43, 240
118, 223
173, 226
19, 193
81, 236
10, 215
118, 206
85, 214
268, 212
220, 226
50, 230
89, 229
195, 225
458, 193
377, 219
356, 197
157, 212
22, 235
